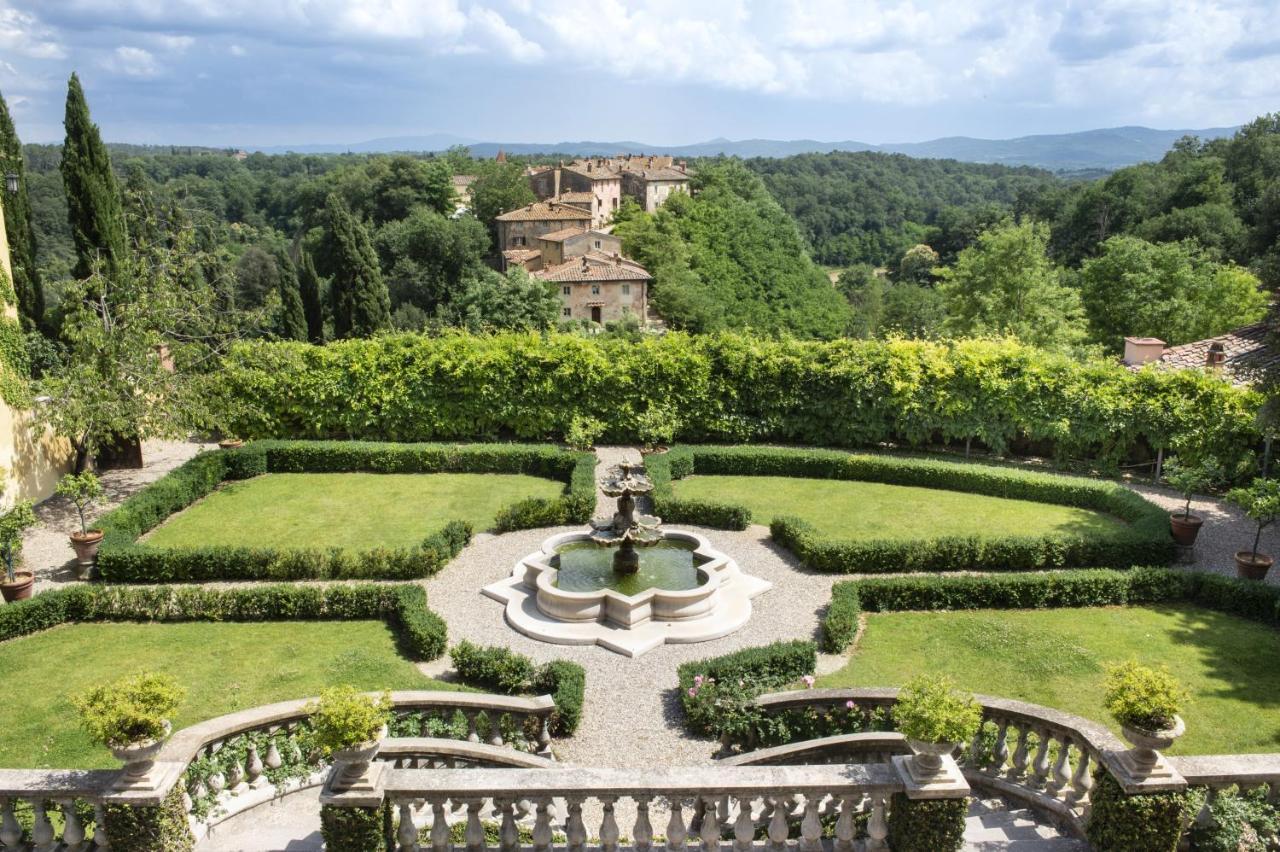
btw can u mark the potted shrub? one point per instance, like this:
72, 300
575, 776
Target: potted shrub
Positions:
1188, 480
935, 718
17, 584
657, 428
1145, 701
131, 717
1261, 502
83, 490
349, 727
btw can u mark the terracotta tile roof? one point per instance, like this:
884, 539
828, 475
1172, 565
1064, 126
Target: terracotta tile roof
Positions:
520, 255
562, 235
543, 211
1244, 349
587, 198
664, 173
595, 266
597, 171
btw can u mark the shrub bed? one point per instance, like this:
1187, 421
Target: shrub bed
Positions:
422, 633
123, 559
1144, 540
505, 671
1050, 589
716, 693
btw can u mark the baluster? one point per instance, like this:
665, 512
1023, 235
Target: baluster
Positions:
1000, 751
975, 748
877, 826
643, 834
744, 830
1018, 767
676, 835
575, 830
844, 825
100, 827
407, 835
235, 777
1081, 779
495, 731
778, 828
811, 826
472, 735
253, 767
722, 812
10, 831
474, 835
72, 830
542, 827
508, 836
41, 829
1273, 793
273, 756
608, 826
710, 830
217, 783
1062, 767
439, 828
1040, 765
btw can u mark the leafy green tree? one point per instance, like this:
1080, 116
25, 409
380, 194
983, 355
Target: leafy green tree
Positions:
1005, 284
401, 184
358, 295
309, 291
911, 310
426, 255
459, 160
19, 228
257, 274
498, 188
93, 198
515, 301
1173, 291
917, 265
292, 321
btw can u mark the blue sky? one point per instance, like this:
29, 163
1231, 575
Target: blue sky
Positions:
279, 72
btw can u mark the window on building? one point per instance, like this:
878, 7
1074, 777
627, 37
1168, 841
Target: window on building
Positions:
597, 244
615, 204
568, 312
595, 289
626, 289
568, 290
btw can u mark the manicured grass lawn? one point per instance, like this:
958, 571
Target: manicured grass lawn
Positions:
224, 667
357, 511
1055, 657
868, 510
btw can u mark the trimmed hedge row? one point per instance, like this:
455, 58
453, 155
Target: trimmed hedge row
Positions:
1143, 540
510, 673
421, 632
123, 559
761, 669
1050, 589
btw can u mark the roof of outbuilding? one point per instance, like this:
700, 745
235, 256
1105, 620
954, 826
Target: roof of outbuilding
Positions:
541, 211
1245, 350
595, 266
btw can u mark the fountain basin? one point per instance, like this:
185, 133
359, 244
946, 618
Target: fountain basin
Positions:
718, 603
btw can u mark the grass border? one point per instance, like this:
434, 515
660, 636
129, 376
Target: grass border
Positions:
123, 559
1145, 540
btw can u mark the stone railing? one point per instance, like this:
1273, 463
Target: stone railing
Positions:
1215, 773
229, 764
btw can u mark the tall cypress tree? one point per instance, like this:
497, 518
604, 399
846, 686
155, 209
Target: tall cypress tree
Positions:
361, 303
293, 322
93, 197
17, 224
309, 290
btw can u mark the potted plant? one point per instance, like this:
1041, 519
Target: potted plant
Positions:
83, 490
935, 718
349, 726
1145, 701
1261, 502
17, 584
1188, 480
131, 717
657, 428
230, 443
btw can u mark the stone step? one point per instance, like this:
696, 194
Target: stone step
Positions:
993, 824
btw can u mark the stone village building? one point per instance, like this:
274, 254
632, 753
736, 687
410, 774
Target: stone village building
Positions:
595, 282
599, 184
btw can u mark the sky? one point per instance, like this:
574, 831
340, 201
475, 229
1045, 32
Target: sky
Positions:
279, 72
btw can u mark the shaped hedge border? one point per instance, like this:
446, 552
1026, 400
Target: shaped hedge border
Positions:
1050, 589
1145, 539
123, 559
508, 672
422, 633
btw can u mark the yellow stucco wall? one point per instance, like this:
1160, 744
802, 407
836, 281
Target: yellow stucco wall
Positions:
32, 459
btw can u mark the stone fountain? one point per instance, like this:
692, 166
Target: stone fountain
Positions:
627, 583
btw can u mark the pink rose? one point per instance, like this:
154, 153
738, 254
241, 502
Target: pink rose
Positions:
693, 693
848, 705
808, 681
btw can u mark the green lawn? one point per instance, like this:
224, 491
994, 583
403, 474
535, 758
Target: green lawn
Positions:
224, 667
356, 511
1055, 657
867, 510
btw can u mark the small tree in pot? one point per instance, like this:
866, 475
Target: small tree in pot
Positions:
17, 584
83, 490
1189, 479
1261, 502
131, 717
349, 726
935, 718
1145, 701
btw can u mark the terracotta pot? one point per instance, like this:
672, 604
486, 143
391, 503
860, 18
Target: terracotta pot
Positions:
20, 588
1185, 528
230, 443
86, 547
1250, 568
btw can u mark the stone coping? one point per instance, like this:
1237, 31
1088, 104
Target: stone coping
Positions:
91, 784
1221, 770
868, 741
395, 748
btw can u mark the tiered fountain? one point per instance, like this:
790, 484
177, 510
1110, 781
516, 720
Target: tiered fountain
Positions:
627, 583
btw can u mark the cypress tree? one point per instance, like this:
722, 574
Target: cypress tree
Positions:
93, 197
293, 322
17, 224
359, 297
309, 290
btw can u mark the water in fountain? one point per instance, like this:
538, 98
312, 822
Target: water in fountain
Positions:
588, 567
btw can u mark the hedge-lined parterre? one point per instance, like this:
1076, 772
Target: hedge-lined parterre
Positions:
123, 559
508, 672
1143, 539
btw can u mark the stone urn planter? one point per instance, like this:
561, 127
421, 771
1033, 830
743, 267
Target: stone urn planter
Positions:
351, 764
1185, 528
230, 443
86, 545
1252, 566
139, 757
926, 757
1144, 757
20, 588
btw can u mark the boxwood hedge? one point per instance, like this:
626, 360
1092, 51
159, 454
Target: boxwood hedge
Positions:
1143, 540
509, 672
123, 559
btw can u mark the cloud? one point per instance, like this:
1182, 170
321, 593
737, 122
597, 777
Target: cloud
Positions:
22, 34
132, 62
237, 50
490, 26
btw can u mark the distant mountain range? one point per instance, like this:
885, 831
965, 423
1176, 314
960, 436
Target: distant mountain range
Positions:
1108, 148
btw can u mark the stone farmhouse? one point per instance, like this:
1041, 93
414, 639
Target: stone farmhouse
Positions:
595, 281
520, 228
600, 183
